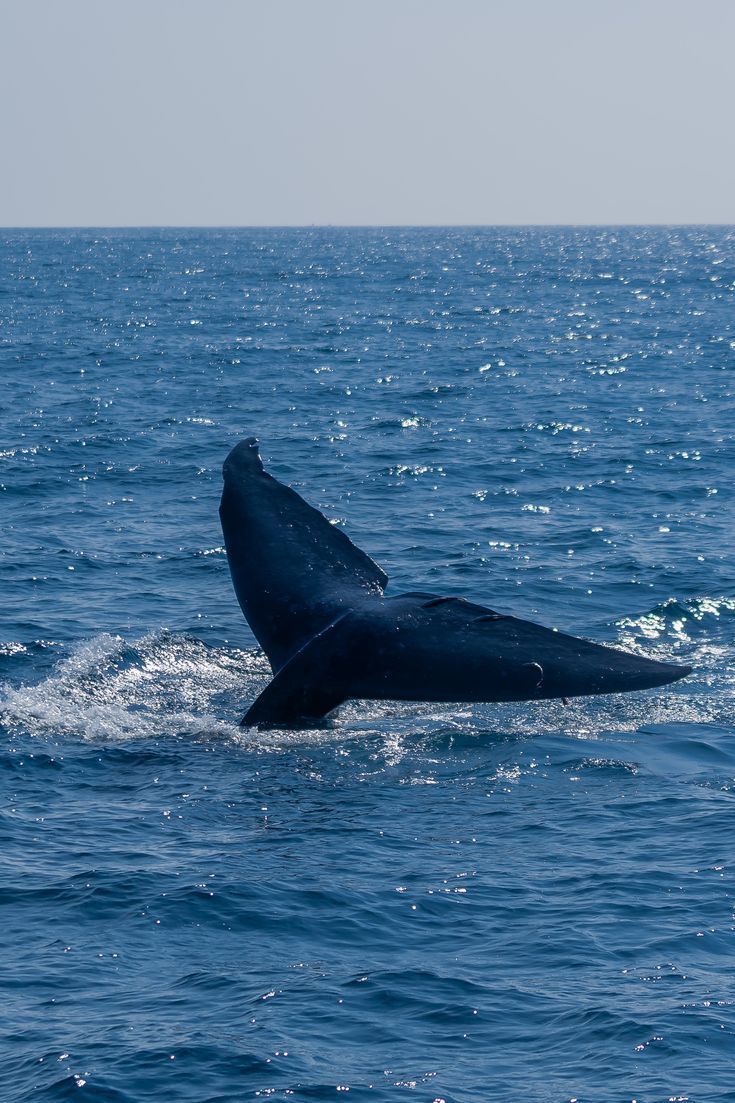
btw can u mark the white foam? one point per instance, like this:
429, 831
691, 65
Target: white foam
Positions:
112, 689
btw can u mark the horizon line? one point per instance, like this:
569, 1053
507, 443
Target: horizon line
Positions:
363, 225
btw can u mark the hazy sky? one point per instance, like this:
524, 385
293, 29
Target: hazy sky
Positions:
252, 112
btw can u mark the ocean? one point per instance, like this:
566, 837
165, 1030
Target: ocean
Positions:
439, 903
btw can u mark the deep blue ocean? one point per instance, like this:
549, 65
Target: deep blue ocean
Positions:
528, 903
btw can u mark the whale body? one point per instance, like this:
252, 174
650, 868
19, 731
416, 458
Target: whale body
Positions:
317, 606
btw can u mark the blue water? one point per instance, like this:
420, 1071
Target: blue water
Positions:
522, 903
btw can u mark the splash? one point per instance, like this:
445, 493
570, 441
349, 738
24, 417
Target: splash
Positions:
679, 621
695, 630
160, 685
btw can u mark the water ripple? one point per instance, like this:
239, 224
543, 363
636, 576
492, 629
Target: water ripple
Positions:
454, 904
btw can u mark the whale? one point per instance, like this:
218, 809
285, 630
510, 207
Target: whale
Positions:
317, 606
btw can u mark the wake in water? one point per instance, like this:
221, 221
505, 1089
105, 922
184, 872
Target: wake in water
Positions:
163, 684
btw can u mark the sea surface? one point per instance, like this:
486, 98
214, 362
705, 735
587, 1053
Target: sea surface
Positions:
528, 903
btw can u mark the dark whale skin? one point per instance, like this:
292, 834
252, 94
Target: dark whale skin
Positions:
316, 605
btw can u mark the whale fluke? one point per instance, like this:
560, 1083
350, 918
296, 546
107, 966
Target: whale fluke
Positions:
293, 571
316, 605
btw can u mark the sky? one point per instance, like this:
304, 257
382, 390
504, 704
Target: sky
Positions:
366, 112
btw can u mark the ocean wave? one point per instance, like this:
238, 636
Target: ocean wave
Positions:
682, 621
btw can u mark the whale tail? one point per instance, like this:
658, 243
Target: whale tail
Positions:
316, 605
425, 648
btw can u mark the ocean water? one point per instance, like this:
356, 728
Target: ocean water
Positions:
525, 902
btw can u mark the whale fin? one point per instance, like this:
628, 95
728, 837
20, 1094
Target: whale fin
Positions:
315, 603
292, 570
425, 648
449, 649
307, 687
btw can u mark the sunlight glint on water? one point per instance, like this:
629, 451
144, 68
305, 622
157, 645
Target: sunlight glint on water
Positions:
432, 902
